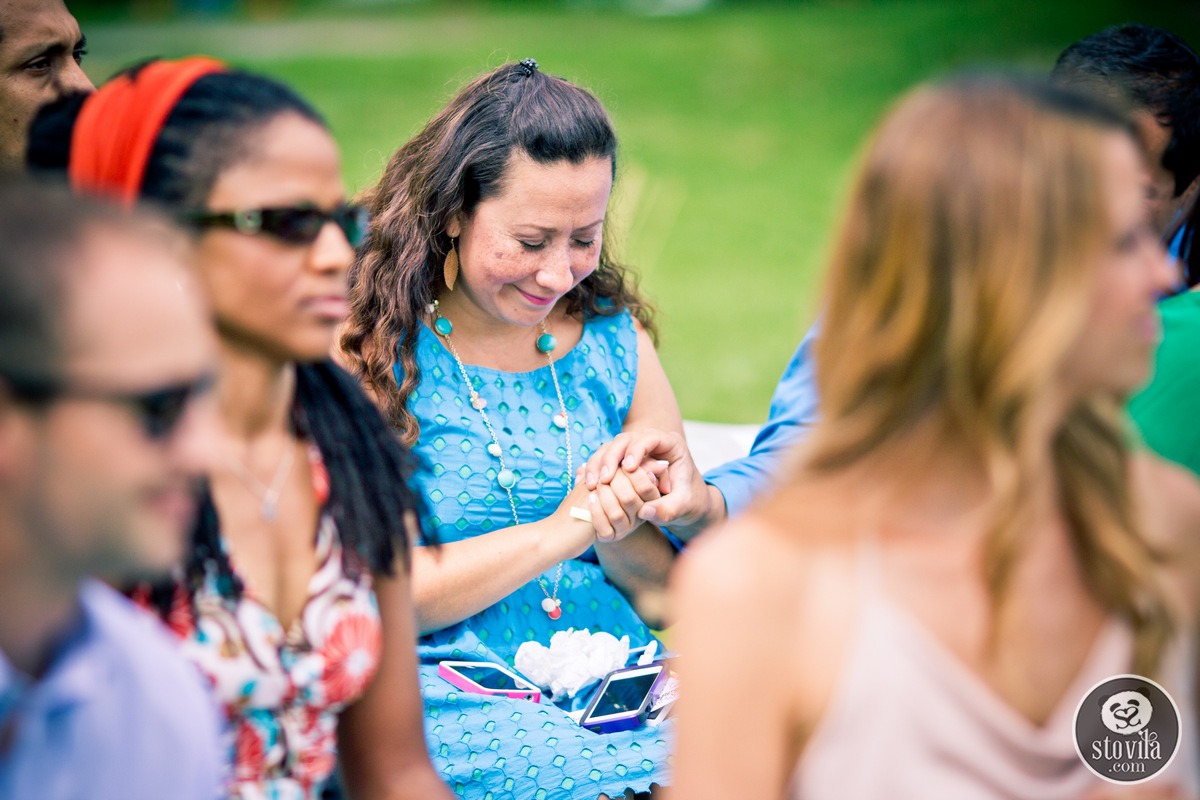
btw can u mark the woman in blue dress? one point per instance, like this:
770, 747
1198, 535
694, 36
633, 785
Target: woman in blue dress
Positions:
494, 329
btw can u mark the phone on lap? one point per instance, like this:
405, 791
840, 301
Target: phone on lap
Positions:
484, 677
623, 699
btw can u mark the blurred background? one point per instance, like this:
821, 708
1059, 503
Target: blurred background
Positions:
738, 121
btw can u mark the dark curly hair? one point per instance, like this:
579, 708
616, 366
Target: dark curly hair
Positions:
456, 161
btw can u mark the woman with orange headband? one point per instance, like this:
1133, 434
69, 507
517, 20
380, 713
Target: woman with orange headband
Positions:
294, 600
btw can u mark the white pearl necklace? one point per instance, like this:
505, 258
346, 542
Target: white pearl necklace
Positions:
505, 477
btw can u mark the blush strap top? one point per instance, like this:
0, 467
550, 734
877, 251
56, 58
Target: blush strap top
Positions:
909, 721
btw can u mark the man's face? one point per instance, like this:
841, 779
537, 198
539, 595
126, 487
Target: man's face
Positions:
39, 62
1155, 136
103, 496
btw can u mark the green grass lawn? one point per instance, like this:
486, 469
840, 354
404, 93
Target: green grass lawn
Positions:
738, 126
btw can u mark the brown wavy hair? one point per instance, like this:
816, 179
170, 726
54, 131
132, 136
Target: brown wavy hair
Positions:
457, 160
958, 287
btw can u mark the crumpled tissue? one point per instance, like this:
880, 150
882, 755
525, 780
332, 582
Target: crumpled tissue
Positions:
573, 660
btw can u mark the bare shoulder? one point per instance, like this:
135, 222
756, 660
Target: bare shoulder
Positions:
1168, 505
654, 403
797, 533
738, 563
783, 585
644, 340
1168, 498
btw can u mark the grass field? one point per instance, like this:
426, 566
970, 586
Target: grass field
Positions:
738, 125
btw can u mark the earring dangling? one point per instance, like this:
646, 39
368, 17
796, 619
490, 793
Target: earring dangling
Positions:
450, 268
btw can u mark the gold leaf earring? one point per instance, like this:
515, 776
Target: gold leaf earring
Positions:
450, 268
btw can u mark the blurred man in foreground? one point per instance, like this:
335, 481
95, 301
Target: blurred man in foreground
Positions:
104, 352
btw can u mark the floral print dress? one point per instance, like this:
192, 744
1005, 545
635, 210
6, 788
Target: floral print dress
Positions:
283, 688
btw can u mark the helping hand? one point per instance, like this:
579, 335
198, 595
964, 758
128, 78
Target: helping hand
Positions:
686, 499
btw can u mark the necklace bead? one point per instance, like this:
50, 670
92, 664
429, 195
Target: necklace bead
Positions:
560, 420
443, 326
546, 343
494, 449
506, 478
553, 607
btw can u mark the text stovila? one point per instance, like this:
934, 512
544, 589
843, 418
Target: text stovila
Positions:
1142, 747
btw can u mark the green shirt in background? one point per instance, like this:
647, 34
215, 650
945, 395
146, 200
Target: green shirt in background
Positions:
1167, 411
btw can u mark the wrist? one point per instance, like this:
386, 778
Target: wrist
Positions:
568, 536
710, 510
716, 510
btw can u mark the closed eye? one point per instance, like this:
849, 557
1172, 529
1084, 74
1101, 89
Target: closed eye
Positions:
532, 245
39, 64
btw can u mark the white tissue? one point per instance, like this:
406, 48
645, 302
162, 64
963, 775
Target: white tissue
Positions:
573, 660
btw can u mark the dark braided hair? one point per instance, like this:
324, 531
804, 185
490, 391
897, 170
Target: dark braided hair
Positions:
211, 129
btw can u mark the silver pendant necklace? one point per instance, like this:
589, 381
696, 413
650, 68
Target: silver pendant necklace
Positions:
268, 495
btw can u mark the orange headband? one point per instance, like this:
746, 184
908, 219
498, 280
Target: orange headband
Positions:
119, 124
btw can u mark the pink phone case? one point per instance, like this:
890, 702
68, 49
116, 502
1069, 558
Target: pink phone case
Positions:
446, 669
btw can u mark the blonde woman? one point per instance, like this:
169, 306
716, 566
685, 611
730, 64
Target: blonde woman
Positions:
965, 546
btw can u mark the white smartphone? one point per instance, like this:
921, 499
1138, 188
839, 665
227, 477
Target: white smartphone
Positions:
623, 699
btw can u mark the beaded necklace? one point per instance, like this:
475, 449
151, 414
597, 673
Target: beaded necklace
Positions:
505, 477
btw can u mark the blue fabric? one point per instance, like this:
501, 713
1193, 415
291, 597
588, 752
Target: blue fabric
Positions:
1175, 246
119, 713
489, 747
793, 411
1178, 248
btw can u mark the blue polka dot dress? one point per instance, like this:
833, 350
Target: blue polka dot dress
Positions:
490, 748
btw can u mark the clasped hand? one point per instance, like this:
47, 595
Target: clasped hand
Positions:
613, 504
640, 476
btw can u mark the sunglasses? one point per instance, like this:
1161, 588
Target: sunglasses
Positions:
158, 410
299, 225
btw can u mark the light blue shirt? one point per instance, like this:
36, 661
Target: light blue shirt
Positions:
1175, 246
793, 412
120, 714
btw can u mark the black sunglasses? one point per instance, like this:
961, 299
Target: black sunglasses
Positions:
292, 224
158, 410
